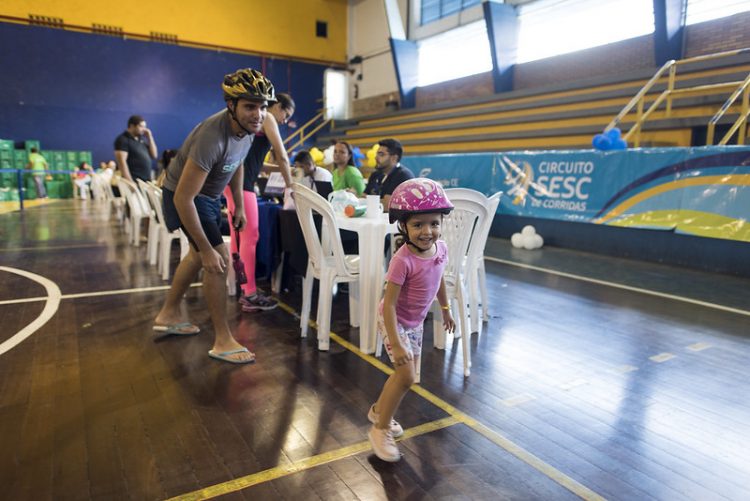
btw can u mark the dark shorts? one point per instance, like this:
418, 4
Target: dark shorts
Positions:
209, 213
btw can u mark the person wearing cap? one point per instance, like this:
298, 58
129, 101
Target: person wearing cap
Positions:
210, 159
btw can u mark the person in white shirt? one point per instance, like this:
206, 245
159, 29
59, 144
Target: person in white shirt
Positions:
303, 160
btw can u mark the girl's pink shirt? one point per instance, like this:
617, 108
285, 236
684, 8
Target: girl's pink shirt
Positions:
419, 279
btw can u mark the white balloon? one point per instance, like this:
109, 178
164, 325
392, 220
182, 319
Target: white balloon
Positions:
528, 230
528, 241
538, 241
517, 240
328, 155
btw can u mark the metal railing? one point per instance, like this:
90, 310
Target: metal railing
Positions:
310, 127
670, 93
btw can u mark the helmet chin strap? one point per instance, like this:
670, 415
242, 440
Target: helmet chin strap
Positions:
234, 116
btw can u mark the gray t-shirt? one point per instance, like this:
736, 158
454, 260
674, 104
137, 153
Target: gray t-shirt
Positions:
214, 148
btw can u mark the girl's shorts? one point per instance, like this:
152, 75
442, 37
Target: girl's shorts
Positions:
411, 337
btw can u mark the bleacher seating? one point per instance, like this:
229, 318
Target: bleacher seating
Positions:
552, 117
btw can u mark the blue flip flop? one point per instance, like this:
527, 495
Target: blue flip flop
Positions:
176, 329
224, 356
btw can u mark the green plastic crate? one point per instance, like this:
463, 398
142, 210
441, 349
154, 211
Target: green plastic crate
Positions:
32, 143
6, 145
59, 189
7, 180
72, 156
20, 159
30, 192
85, 156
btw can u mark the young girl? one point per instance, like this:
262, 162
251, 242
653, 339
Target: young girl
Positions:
414, 279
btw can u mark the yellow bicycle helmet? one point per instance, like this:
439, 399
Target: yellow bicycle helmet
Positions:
247, 83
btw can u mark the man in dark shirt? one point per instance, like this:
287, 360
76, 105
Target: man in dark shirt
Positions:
134, 150
389, 172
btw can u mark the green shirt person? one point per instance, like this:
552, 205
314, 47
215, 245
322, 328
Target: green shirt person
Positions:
345, 175
38, 165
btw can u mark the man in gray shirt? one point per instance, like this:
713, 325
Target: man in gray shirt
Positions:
208, 160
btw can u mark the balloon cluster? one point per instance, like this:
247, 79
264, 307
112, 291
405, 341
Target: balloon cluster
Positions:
325, 157
371, 153
316, 155
527, 239
610, 140
357, 156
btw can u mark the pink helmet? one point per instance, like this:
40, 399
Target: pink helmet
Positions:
417, 195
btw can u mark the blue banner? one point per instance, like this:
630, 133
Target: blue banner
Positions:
699, 191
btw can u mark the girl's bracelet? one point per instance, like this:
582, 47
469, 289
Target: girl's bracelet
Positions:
446, 307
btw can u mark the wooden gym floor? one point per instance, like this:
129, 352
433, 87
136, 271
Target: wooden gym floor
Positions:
594, 378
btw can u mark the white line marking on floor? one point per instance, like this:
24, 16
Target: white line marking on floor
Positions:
517, 400
621, 286
622, 369
95, 294
662, 357
699, 346
53, 302
573, 384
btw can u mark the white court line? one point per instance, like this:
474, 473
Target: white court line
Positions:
53, 302
94, 294
622, 286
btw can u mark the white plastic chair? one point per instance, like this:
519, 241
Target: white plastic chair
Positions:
457, 230
116, 202
326, 262
138, 209
481, 276
153, 225
476, 283
165, 236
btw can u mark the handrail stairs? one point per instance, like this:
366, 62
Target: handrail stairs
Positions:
670, 93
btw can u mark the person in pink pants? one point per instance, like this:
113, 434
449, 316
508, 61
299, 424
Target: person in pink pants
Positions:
252, 299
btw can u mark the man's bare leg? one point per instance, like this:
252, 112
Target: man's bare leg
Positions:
215, 291
185, 274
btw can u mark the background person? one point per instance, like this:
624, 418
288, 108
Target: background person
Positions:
278, 113
82, 179
38, 165
304, 161
345, 175
135, 149
389, 173
211, 157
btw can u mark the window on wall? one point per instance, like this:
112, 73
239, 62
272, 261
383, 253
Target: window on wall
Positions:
699, 11
552, 27
432, 10
454, 54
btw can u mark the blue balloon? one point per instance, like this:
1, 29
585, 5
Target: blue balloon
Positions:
614, 134
619, 144
601, 142
357, 156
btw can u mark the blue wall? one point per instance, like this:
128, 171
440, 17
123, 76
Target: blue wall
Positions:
75, 91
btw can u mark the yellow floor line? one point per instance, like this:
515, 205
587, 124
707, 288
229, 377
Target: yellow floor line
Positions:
497, 438
304, 464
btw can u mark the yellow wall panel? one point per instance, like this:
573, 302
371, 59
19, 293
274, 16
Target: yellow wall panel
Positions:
278, 27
